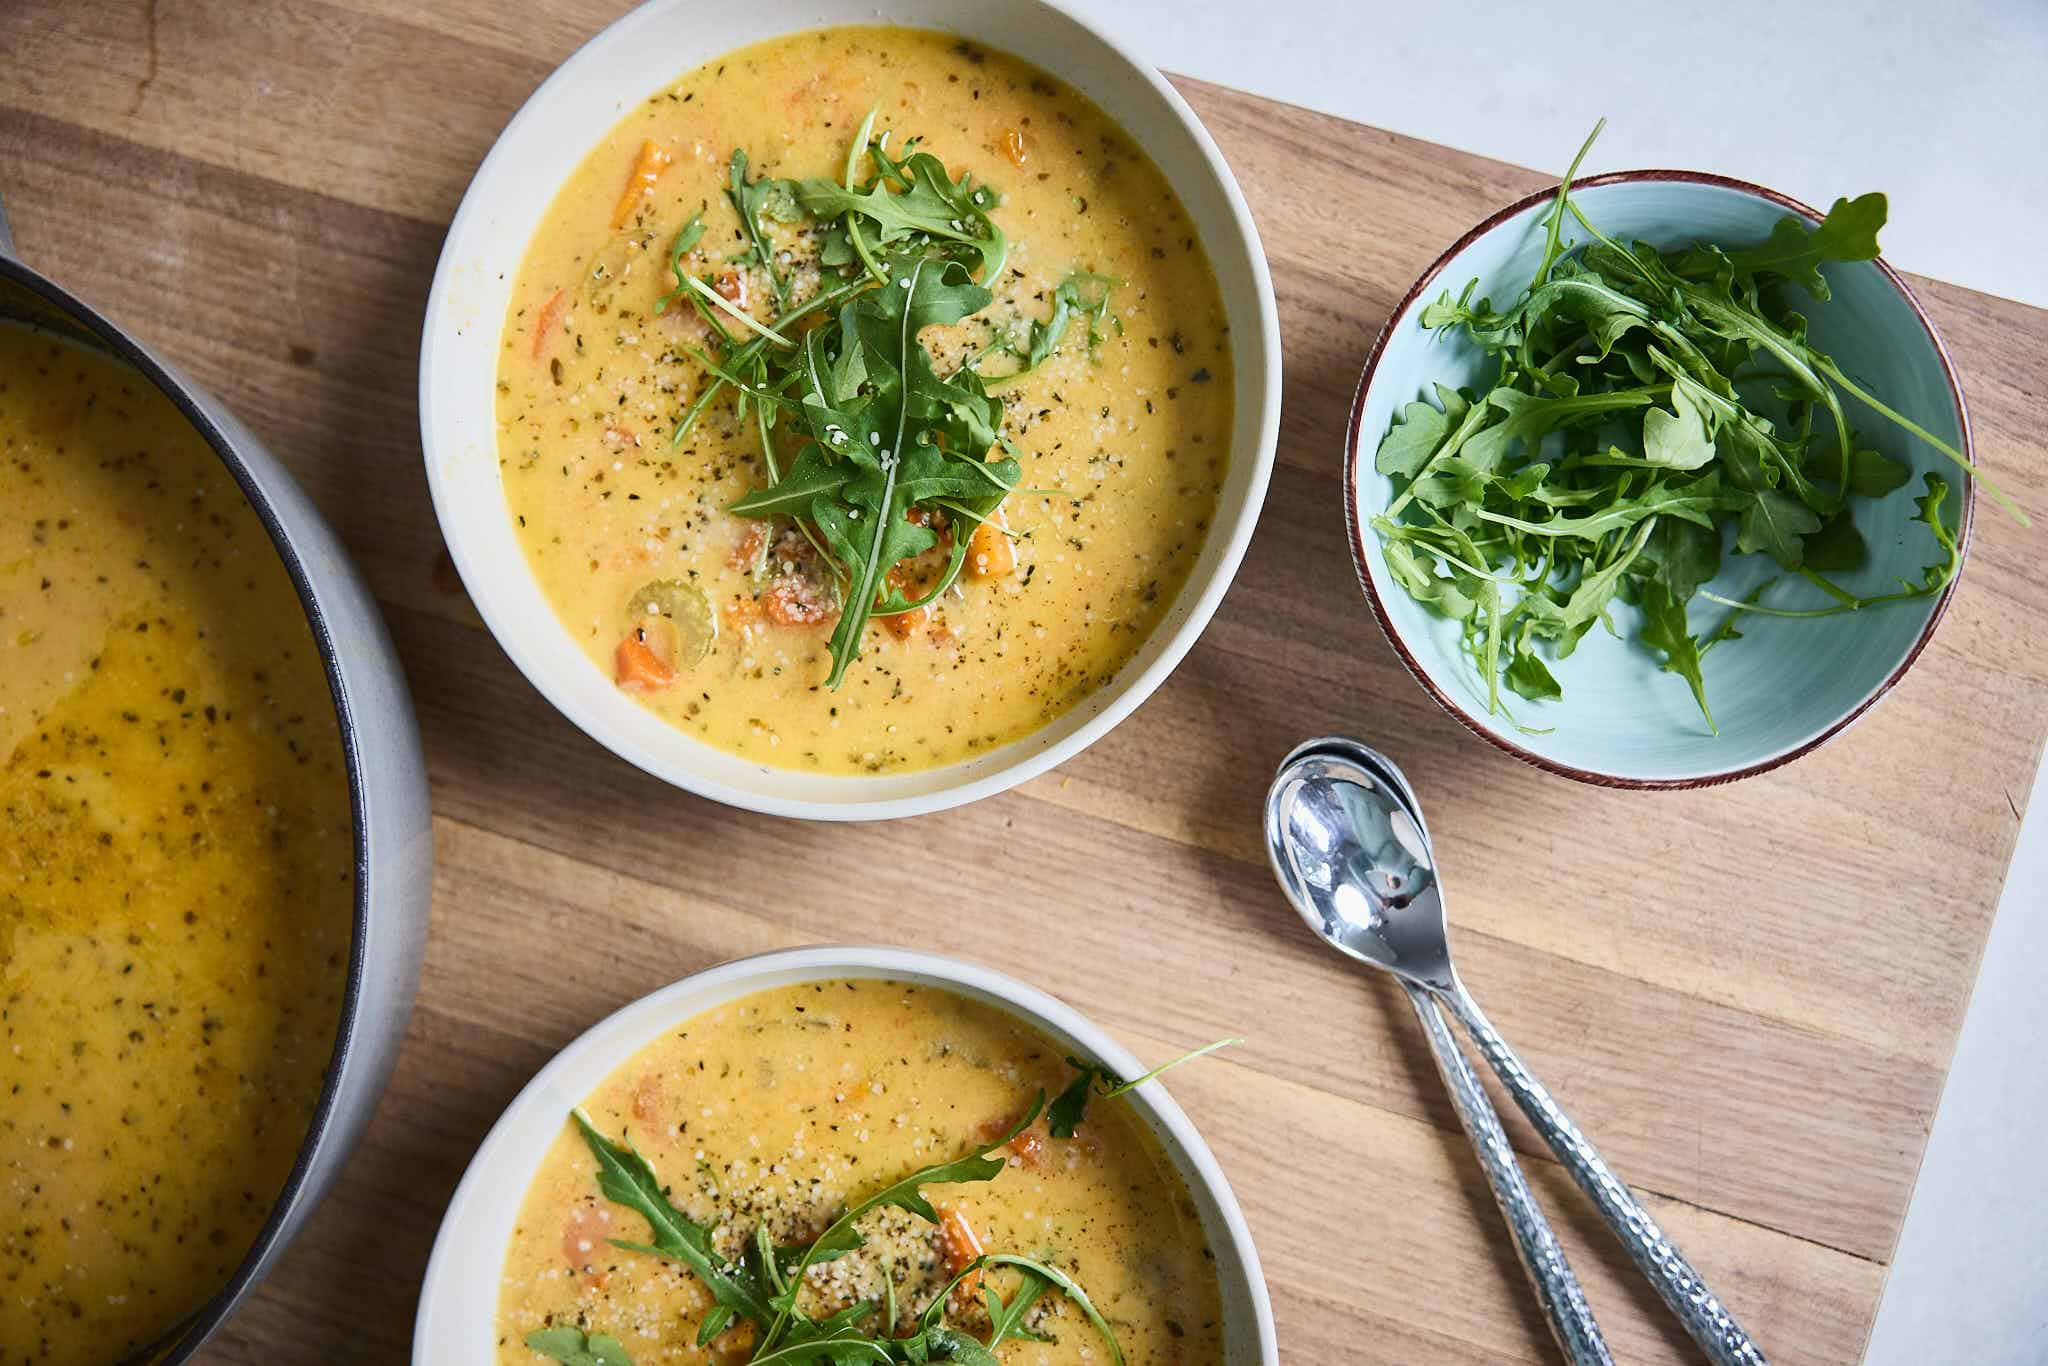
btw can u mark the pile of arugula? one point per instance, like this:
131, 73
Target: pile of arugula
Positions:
877, 430
763, 1287
1642, 402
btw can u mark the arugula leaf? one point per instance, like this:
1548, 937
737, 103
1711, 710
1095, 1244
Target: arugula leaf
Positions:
576, 1348
1664, 629
1072, 1290
1776, 525
812, 476
1796, 251
1418, 429
950, 1344
1418, 575
626, 1178
1527, 418
933, 205
687, 237
1006, 1317
1695, 502
1686, 555
1084, 295
753, 200
1529, 677
1837, 546
1678, 439
1063, 1116
1874, 474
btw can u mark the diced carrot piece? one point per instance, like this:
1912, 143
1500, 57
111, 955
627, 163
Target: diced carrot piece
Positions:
584, 1240
989, 553
1011, 144
549, 319
647, 168
1028, 1146
741, 611
746, 552
647, 1098
904, 625
732, 284
638, 668
961, 1245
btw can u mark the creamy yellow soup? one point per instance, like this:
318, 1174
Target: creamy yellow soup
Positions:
782, 1108
175, 863
1123, 444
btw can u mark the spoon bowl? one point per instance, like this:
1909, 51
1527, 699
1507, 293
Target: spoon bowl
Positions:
1351, 852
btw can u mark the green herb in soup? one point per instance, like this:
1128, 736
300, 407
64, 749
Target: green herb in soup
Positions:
880, 418
1643, 404
1050, 1226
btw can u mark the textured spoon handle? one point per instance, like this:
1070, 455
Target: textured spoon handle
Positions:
1680, 1287
1557, 1289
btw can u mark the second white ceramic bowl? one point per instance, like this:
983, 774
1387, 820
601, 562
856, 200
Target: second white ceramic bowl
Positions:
457, 1323
643, 52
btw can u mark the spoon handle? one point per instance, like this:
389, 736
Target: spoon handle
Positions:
1656, 1256
1557, 1289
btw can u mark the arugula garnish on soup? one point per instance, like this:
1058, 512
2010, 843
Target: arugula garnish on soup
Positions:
864, 401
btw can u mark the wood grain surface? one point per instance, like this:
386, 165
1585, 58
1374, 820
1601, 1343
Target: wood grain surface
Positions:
1748, 995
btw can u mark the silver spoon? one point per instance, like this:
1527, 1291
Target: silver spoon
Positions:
1323, 765
1345, 834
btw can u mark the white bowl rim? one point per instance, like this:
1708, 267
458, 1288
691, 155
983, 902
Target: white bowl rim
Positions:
1362, 564
1126, 693
606, 1045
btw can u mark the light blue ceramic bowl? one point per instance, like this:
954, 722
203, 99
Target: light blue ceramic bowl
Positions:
1787, 685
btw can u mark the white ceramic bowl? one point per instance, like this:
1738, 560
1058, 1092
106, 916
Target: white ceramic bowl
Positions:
1786, 686
459, 1301
643, 52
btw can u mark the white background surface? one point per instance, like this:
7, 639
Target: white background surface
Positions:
1942, 105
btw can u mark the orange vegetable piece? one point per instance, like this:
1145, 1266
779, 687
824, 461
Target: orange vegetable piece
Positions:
638, 668
647, 1098
746, 552
904, 625
732, 285
741, 611
989, 553
550, 318
647, 168
1028, 1146
1011, 145
960, 1245
586, 1235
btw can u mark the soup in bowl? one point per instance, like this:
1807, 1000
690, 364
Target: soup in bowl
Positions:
896, 1151
857, 422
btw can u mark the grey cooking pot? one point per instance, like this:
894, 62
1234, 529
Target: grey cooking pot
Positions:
386, 775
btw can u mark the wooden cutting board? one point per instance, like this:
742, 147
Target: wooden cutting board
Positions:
1748, 995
